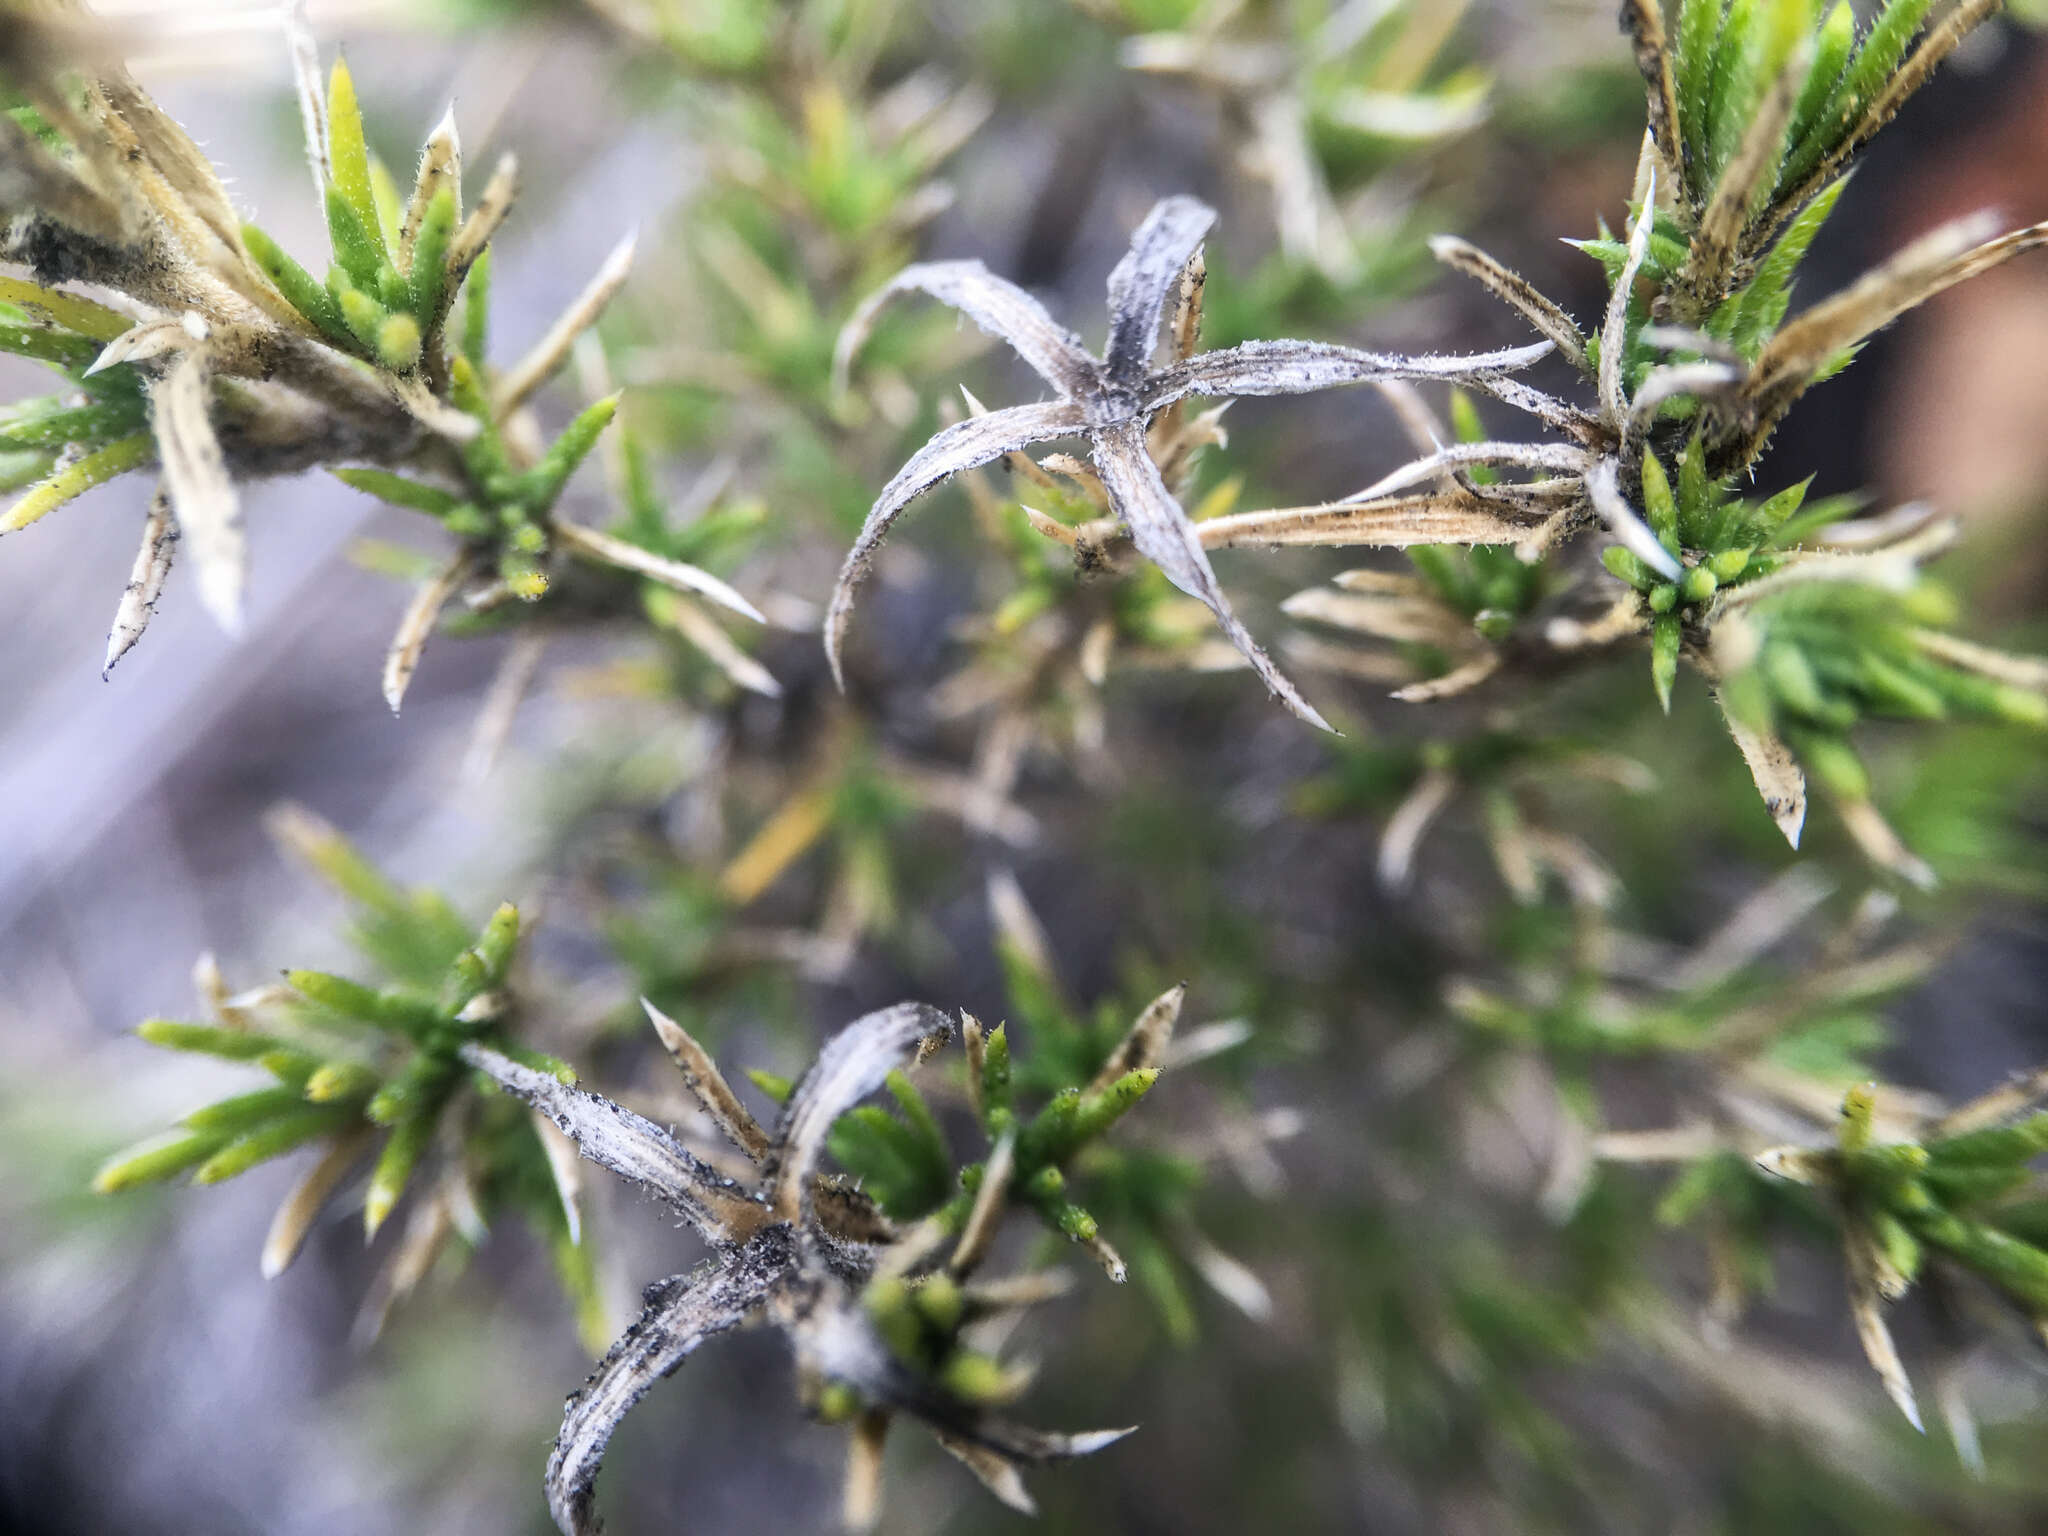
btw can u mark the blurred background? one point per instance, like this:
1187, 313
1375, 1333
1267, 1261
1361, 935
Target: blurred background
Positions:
1441, 1348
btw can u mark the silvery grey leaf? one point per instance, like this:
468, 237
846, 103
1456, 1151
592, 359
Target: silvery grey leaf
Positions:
1460, 679
208, 508
1419, 620
853, 1064
993, 1470
702, 1077
985, 1215
552, 350
475, 231
1643, 21
1866, 1306
1411, 820
964, 445
296, 1213
997, 305
1559, 415
1603, 489
1776, 772
1143, 280
1675, 380
1166, 536
1560, 458
145, 580
440, 166
1300, 367
1392, 524
1614, 330
678, 1315
835, 1338
1745, 183
629, 1145
1144, 1045
1953, 253
695, 625
608, 549
312, 92
1515, 291
416, 624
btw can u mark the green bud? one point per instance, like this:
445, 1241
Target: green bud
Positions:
424, 1082
1494, 624
523, 576
365, 316
1663, 597
776, 1086
337, 1080
941, 1302
398, 343
894, 1312
1046, 1184
976, 1378
1698, 584
1077, 1224
837, 1403
1729, 563
886, 1296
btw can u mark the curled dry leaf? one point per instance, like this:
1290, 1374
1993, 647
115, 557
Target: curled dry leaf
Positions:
1112, 401
782, 1254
